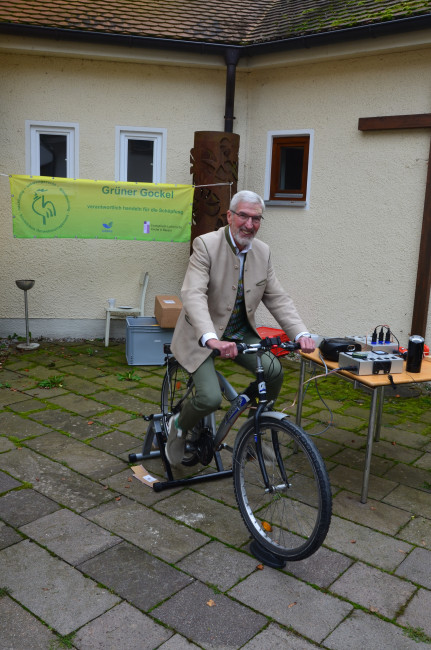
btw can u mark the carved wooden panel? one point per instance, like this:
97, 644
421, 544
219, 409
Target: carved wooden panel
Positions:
214, 159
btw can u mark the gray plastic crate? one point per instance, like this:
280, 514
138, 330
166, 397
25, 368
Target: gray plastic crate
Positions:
145, 340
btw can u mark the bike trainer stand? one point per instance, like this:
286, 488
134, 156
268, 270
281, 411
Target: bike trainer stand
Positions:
155, 435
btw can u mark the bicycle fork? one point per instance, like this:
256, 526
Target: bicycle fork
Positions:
262, 404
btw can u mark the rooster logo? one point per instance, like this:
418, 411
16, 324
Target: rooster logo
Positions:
43, 208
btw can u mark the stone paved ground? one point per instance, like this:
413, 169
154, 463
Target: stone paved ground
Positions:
90, 558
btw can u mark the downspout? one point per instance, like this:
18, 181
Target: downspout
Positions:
231, 57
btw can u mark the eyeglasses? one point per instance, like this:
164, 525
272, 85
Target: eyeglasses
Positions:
256, 219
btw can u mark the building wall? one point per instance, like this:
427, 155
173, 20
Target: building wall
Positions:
350, 260
75, 277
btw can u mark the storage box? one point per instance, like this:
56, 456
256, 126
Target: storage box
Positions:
166, 310
145, 340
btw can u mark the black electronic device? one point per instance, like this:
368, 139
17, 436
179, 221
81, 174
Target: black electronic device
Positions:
331, 348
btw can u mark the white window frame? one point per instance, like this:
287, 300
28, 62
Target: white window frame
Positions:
125, 133
270, 137
34, 129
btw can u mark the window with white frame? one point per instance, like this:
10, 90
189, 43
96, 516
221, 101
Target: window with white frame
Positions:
288, 167
52, 149
140, 154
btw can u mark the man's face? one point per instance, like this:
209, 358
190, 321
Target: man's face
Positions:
244, 223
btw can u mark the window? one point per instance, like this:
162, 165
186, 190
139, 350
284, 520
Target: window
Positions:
52, 149
140, 154
288, 167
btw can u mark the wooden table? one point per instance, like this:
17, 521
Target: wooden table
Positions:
377, 385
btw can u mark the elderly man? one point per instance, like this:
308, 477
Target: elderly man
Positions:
229, 274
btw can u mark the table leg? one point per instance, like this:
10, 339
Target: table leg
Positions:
381, 396
370, 437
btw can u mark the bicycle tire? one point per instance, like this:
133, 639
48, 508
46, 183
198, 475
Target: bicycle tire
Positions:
177, 386
292, 521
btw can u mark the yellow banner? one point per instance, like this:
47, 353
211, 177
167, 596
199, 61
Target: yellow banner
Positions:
84, 209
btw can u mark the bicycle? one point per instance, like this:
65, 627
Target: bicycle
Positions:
280, 480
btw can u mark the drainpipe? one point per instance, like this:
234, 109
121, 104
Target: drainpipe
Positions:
231, 58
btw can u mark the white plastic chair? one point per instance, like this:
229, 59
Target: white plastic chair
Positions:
119, 312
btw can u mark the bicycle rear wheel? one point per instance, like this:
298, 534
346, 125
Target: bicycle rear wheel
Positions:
290, 520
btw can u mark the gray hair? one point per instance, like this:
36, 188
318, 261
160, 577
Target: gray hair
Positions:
245, 196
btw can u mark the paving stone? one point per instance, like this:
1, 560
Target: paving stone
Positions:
380, 592
52, 590
5, 445
86, 372
135, 575
117, 398
224, 624
23, 506
22, 630
321, 568
115, 442
352, 479
76, 425
220, 490
148, 394
80, 457
46, 394
416, 502
366, 544
75, 403
411, 476
396, 452
374, 514
275, 637
137, 426
340, 420
14, 425
8, 536
355, 458
71, 537
209, 516
292, 603
363, 630
218, 565
416, 567
122, 627
27, 405
402, 436
417, 613
112, 418
346, 438
424, 462
54, 480
7, 482
418, 531
113, 381
177, 642
148, 530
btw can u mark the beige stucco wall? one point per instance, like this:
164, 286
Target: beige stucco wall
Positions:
74, 278
349, 260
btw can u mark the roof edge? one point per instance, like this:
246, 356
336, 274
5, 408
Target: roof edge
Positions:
372, 30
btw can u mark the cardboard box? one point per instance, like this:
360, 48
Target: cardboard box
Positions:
145, 340
166, 310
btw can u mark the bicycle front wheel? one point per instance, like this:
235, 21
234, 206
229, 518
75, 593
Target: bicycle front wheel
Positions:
292, 517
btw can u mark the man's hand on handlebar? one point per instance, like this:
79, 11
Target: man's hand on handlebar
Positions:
227, 349
306, 344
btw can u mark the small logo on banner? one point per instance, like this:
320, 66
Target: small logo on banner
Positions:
146, 227
107, 226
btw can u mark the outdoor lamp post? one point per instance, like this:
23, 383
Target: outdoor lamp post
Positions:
25, 285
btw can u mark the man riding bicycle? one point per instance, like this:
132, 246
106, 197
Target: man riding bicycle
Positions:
229, 274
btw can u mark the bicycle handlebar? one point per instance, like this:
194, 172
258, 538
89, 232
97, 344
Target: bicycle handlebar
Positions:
265, 344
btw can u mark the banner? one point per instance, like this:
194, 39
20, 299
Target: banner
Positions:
44, 207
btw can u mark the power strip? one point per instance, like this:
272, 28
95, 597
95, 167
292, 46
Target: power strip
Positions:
370, 363
367, 344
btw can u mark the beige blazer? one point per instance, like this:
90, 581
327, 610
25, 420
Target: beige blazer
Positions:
209, 291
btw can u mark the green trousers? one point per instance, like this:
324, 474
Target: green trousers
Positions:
208, 396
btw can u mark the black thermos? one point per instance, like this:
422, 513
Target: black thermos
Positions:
415, 353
